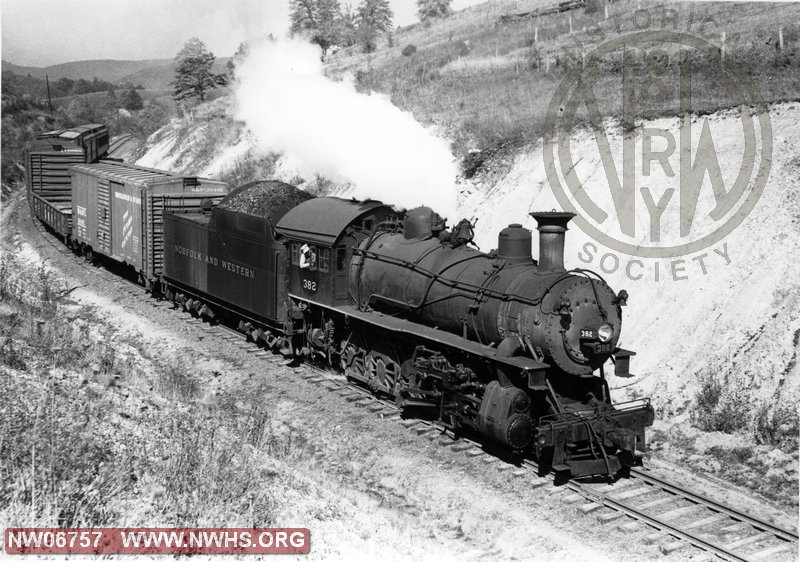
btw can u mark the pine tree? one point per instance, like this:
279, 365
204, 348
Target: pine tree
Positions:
375, 14
430, 9
193, 76
319, 19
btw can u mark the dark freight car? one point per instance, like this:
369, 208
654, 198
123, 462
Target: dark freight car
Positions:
230, 256
119, 210
47, 163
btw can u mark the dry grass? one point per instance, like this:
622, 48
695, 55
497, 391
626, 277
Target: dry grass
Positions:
77, 448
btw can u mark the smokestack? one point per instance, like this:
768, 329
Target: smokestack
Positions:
552, 226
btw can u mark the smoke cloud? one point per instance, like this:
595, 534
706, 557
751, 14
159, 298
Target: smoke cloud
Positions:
328, 128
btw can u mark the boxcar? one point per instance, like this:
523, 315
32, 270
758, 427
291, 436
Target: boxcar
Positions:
119, 210
47, 163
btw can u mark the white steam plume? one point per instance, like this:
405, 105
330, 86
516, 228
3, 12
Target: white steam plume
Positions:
330, 129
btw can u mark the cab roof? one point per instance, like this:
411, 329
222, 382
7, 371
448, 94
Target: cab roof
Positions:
323, 220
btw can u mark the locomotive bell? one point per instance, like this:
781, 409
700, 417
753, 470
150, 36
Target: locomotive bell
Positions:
514, 244
552, 227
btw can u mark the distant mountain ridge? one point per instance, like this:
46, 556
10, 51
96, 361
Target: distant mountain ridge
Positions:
152, 73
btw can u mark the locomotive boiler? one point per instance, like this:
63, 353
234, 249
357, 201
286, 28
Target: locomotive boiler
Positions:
552, 332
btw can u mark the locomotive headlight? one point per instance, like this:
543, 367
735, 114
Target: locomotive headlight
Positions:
605, 332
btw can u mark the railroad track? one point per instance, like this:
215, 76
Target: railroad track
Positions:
654, 510
675, 517
119, 142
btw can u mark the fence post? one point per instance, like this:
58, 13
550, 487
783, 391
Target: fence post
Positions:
780, 38
570, 23
606, 9
536, 35
722, 48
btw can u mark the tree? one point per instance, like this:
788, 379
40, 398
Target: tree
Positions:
131, 99
375, 14
193, 76
346, 27
80, 87
430, 9
79, 111
237, 57
319, 19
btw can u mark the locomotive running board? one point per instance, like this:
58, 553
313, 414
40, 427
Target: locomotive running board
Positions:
524, 365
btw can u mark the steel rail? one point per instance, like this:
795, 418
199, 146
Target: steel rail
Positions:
653, 520
752, 520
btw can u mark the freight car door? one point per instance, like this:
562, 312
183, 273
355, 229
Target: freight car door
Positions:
126, 213
103, 218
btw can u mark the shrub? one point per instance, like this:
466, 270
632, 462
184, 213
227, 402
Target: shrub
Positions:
778, 426
721, 405
409, 50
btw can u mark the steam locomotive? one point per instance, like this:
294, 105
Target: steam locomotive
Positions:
498, 344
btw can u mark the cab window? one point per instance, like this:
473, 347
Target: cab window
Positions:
323, 259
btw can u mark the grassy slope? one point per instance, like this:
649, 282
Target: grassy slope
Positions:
489, 83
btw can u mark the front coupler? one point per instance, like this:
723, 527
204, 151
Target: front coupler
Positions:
599, 441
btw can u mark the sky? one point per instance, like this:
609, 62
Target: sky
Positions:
45, 32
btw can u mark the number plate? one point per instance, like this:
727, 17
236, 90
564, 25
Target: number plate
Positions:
310, 285
588, 334
602, 348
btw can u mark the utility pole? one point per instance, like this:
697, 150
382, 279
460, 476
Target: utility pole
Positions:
49, 99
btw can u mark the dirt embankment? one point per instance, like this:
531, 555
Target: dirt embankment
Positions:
717, 344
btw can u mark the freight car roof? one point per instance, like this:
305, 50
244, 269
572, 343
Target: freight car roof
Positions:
74, 132
323, 220
54, 144
129, 173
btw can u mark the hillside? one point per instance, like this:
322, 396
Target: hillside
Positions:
152, 74
111, 70
487, 80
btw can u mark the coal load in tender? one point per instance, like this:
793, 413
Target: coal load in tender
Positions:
264, 198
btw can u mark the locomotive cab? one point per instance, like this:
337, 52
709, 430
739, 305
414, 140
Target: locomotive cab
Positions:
320, 235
